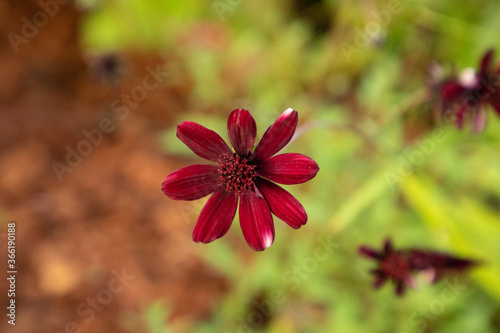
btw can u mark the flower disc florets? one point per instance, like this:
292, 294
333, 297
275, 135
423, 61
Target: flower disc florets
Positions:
396, 266
237, 174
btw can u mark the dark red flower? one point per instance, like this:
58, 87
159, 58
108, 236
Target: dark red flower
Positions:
470, 93
399, 266
245, 175
394, 265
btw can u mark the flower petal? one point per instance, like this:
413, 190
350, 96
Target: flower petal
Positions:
496, 105
388, 249
380, 278
479, 120
242, 131
256, 221
277, 135
461, 115
423, 259
282, 203
451, 90
400, 288
486, 60
290, 168
216, 217
192, 182
202, 141
369, 252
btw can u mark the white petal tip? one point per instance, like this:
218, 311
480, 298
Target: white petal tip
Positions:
467, 78
268, 241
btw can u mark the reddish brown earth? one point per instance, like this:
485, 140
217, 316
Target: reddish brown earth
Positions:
108, 215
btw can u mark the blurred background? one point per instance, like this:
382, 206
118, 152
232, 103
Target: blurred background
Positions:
90, 97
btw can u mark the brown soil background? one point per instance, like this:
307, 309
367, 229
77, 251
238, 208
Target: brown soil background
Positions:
107, 214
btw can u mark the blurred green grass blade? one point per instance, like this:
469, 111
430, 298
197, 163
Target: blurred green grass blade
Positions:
355, 204
427, 203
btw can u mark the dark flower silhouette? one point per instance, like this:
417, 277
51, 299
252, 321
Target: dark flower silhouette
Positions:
107, 68
470, 93
399, 266
394, 265
243, 175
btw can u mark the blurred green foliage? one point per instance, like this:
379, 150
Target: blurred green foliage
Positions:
364, 114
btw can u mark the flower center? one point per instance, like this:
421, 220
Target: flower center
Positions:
237, 174
396, 266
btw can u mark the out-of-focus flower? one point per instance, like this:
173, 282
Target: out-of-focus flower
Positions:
245, 175
107, 68
468, 94
400, 266
393, 265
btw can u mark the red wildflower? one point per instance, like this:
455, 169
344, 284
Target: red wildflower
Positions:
400, 265
393, 265
243, 175
469, 94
